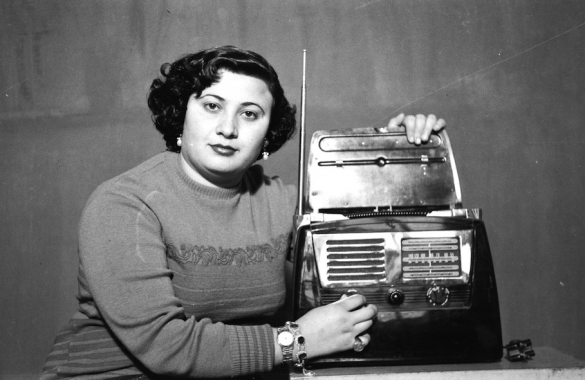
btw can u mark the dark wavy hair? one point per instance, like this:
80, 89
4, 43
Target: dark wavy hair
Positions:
193, 73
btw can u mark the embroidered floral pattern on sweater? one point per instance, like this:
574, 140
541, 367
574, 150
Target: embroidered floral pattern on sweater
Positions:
208, 255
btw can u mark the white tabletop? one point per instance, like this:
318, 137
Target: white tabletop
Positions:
548, 363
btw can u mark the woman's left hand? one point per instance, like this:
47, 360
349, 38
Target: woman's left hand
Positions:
419, 127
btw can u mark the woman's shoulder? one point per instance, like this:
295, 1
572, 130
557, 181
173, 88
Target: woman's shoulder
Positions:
256, 178
272, 186
141, 179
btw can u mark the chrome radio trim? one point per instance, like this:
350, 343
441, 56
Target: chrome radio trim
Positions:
378, 258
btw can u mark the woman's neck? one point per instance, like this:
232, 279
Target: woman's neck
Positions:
221, 182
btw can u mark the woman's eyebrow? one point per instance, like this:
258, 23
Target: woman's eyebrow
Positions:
215, 96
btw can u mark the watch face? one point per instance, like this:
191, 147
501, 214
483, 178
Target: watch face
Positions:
285, 338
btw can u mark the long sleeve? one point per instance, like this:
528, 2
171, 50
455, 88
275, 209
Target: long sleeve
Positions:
176, 278
124, 261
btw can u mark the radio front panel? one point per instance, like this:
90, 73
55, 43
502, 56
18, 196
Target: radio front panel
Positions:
393, 258
395, 270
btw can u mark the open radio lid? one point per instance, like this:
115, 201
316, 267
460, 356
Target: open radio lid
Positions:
365, 168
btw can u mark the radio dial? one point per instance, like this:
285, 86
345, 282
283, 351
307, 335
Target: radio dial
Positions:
438, 295
395, 297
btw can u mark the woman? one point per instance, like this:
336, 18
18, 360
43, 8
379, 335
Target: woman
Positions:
182, 258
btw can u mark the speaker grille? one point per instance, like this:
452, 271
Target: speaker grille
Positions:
355, 260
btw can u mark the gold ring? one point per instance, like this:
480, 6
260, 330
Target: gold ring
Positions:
358, 345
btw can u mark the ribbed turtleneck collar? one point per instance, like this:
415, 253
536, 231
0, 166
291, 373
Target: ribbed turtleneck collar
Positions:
172, 161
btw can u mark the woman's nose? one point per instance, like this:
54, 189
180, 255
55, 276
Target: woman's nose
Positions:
227, 127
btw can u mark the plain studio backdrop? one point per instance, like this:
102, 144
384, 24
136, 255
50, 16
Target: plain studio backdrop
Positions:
508, 76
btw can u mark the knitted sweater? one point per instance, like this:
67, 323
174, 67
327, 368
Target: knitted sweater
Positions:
165, 265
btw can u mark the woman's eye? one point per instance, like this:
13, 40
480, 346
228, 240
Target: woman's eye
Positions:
250, 115
211, 106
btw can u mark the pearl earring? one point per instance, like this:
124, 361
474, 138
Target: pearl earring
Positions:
265, 154
179, 141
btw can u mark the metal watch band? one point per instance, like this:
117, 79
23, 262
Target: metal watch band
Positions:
287, 354
287, 350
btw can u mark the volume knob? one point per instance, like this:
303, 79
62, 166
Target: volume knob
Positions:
395, 297
438, 295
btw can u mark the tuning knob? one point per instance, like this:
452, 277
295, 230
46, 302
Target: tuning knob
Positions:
438, 295
395, 297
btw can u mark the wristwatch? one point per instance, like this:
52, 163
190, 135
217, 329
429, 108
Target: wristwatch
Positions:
285, 339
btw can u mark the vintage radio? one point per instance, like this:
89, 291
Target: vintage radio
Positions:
383, 218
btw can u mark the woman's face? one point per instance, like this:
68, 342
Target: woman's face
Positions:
224, 129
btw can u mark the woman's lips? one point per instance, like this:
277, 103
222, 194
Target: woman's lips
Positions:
224, 150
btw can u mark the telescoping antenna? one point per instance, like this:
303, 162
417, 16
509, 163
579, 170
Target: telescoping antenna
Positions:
301, 210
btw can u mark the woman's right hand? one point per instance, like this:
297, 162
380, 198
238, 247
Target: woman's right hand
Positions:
334, 327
